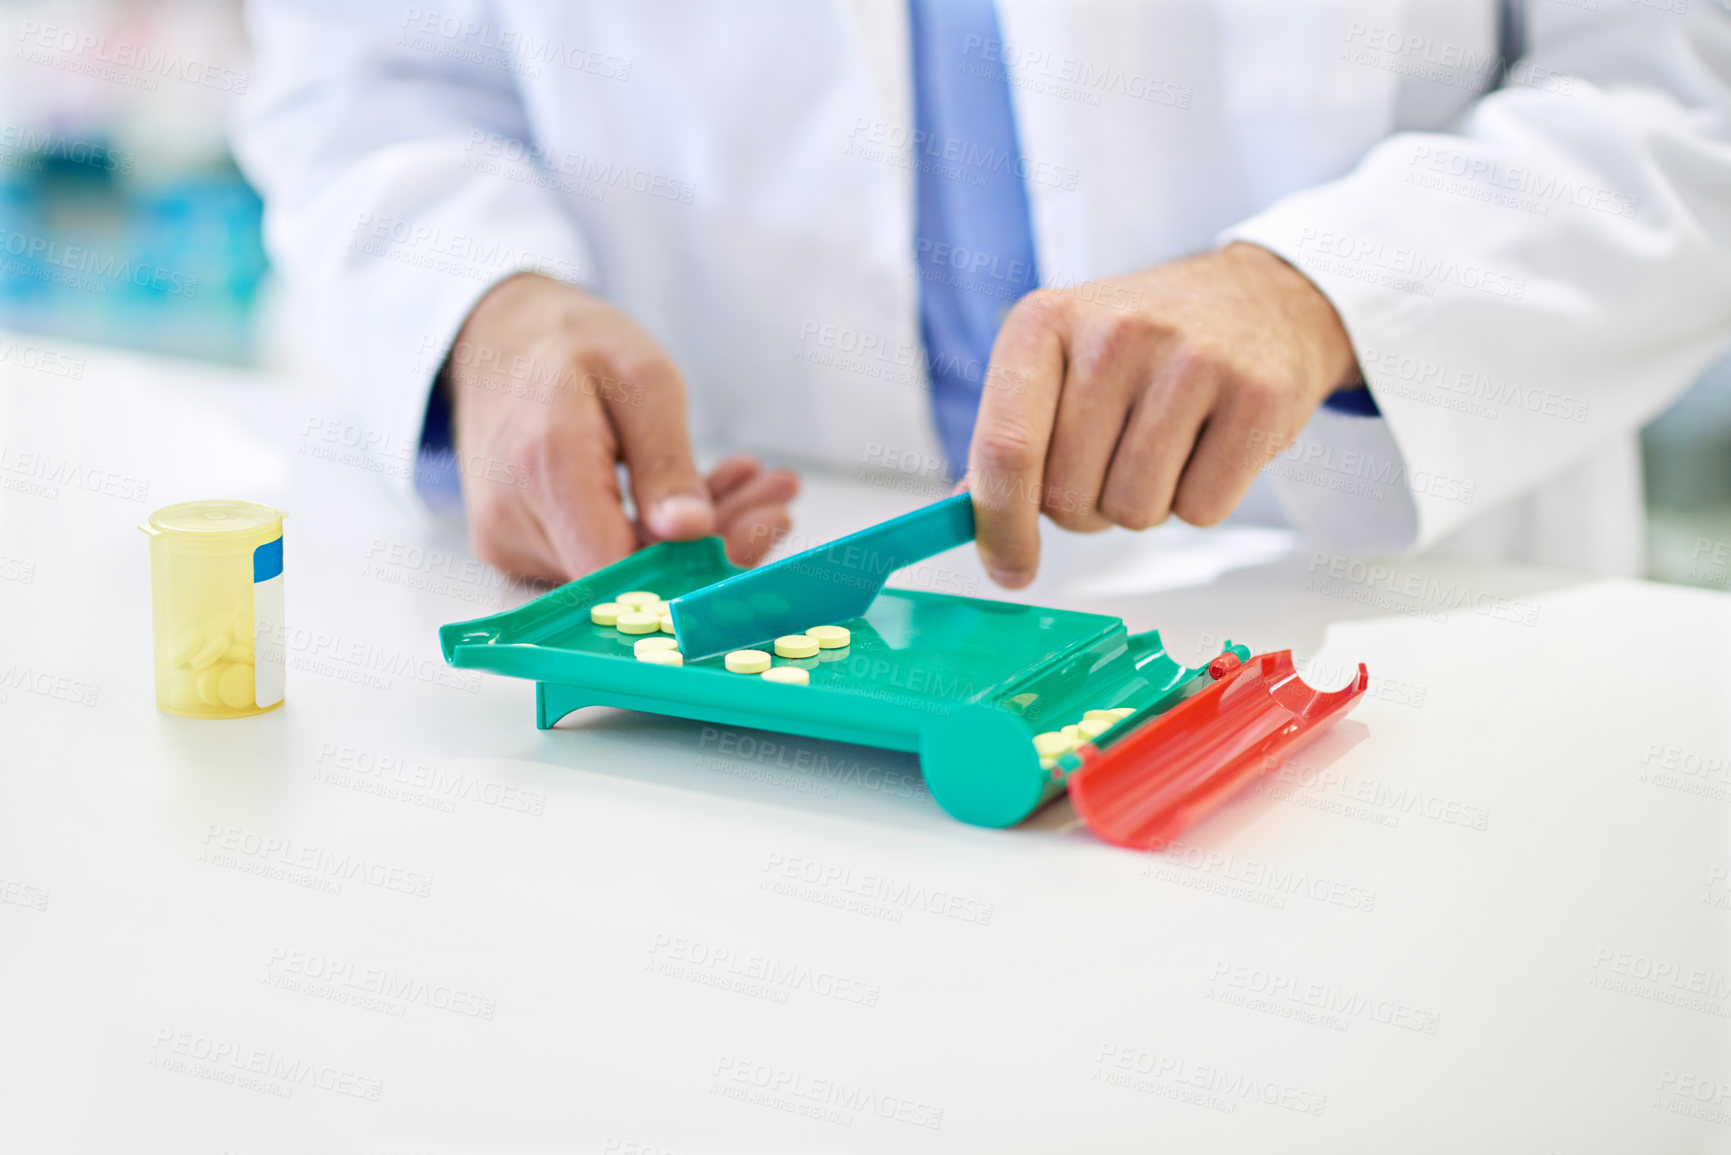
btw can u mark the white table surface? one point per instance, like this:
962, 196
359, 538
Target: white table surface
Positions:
1489, 912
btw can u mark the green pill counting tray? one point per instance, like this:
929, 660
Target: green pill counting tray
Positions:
963, 682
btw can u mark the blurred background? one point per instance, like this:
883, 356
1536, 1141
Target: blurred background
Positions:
112, 143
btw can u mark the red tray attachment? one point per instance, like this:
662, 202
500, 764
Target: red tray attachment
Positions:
1145, 788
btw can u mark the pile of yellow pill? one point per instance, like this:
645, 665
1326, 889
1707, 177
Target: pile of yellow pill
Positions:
641, 612
645, 612
1054, 744
212, 663
794, 648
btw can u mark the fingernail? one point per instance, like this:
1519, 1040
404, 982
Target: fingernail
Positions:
680, 514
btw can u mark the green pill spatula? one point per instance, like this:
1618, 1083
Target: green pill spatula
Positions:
822, 586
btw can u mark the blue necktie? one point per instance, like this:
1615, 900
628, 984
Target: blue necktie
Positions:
973, 241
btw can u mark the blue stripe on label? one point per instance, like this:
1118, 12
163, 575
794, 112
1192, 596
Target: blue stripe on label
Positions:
267, 561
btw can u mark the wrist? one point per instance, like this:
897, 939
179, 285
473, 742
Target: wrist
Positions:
1316, 328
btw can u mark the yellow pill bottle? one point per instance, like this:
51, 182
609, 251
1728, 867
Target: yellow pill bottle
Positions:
216, 592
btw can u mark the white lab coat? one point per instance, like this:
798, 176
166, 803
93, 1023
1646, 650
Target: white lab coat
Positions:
1527, 275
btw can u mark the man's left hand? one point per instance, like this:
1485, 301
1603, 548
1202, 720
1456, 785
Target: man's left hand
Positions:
1128, 399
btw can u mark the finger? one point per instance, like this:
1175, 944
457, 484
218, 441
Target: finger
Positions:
773, 487
648, 410
770, 491
1225, 463
1012, 434
1157, 442
726, 478
754, 533
575, 493
1108, 364
730, 473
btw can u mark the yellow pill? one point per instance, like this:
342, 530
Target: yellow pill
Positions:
606, 613
1089, 729
184, 646
183, 689
215, 646
235, 686
747, 661
239, 653
1121, 712
644, 645
637, 598
637, 622
667, 623
1052, 743
796, 646
830, 637
658, 608
792, 675
1070, 733
210, 685
1108, 715
661, 657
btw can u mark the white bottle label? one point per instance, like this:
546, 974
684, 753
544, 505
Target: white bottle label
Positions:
269, 636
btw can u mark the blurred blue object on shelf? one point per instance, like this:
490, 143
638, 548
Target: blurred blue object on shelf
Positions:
90, 252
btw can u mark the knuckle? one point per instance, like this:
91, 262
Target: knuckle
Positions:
639, 367
1046, 307
1191, 360
627, 371
1114, 338
638, 362
1076, 518
1100, 351
1200, 510
1008, 449
1136, 515
1260, 394
1067, 516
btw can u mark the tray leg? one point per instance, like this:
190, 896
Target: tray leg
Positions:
981, 768
553, 701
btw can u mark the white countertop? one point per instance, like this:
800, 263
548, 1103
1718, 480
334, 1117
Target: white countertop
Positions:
1490, 911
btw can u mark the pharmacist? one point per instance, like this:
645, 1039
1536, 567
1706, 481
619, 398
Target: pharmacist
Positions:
1410, 275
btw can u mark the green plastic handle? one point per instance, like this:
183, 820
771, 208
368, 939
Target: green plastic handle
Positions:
831, 583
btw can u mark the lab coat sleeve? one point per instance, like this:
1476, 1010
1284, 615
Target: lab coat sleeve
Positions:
388, 144
1526, 289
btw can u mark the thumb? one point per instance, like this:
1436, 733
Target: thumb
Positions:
672, 498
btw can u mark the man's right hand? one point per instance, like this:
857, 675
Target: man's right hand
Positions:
552, 385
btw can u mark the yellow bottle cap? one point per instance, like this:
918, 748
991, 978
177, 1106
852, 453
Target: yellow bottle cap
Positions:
219, 523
